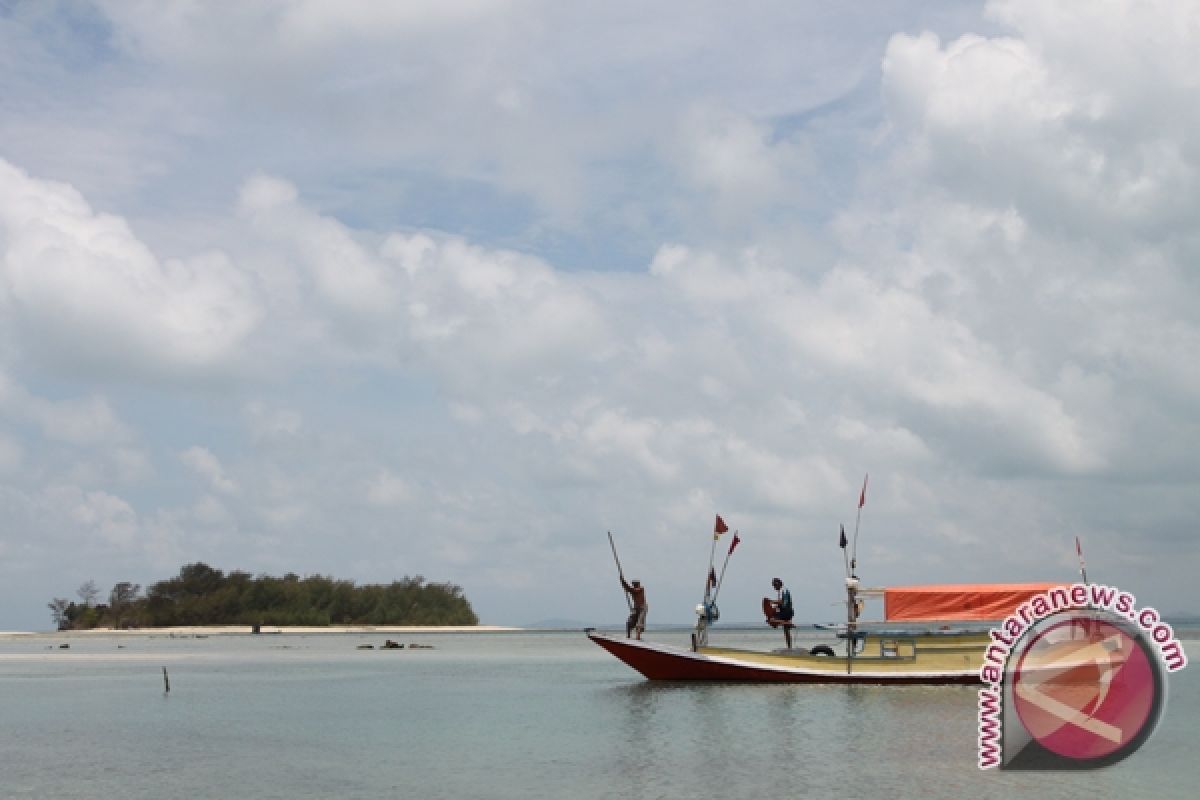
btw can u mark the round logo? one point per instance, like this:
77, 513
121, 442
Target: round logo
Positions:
1088, 688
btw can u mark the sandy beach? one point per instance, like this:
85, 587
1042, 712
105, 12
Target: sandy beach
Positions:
223, 630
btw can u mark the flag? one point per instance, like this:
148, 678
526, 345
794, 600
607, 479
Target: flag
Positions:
1078, 550
736, 541
719, 527
712, 577
862, 497
842, 539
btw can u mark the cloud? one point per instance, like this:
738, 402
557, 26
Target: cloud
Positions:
86, 421
343, 274
208, 466
81, 288
1072, 128
739, 162
102, 514
272, 424
389, 490
529, 272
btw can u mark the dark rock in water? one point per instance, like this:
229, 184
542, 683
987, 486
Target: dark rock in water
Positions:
390, 645
415, 646
365, 647
64, 646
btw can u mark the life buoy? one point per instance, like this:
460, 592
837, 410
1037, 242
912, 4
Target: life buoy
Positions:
821, 650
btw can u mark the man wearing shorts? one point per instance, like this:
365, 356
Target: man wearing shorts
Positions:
637, 615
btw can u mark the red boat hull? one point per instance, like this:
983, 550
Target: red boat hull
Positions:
663, 663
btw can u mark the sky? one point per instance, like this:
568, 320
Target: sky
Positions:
380, 290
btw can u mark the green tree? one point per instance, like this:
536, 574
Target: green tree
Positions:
58, 612
121, 600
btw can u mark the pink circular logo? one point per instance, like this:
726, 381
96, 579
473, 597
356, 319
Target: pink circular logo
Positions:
1086, 689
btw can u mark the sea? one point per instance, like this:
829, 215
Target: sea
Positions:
543, 714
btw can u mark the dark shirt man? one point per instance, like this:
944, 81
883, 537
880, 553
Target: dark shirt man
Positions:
782, 611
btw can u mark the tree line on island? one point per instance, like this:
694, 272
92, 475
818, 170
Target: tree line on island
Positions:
201, 595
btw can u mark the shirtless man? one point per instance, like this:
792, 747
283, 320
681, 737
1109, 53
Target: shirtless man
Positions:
637, 615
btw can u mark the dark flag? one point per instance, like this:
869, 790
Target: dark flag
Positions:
712, 578
842, 539
862, 497
736, 541
719, 527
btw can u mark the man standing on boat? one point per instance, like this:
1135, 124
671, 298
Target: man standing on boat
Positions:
780, 611
637, 613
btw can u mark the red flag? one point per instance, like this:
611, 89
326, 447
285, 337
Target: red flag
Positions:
720, 526
712, 577
862, 497
736, 541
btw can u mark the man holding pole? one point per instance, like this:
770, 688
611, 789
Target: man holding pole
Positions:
638, 607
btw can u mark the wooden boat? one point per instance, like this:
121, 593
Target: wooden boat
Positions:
908, 646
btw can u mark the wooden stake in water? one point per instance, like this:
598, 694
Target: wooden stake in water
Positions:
166, 682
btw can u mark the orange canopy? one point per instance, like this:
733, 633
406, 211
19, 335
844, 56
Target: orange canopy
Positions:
963, 601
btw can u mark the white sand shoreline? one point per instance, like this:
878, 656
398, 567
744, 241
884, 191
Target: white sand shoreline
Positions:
224, 630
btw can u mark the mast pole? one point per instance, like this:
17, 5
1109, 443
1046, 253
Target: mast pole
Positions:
1082, 564
862, 501
721, 577
712, 555
620, 572
852, 584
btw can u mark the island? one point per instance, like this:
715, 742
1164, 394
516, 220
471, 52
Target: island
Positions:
202, 595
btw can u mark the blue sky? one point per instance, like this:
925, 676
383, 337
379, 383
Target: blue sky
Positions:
377, 290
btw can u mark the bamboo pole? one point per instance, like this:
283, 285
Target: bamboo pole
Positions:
620, 572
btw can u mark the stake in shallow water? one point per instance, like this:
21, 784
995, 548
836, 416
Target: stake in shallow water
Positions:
166, 682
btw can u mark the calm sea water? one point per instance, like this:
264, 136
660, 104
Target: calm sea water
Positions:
527, 715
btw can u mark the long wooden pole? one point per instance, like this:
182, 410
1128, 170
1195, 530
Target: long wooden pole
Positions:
712, 559
862, 500
620, 572
721, 577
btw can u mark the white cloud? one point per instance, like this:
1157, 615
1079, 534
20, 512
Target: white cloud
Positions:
208, 466
83, 288
738, 162
101, 513
578, 269
389, 490
84, 421
343, 273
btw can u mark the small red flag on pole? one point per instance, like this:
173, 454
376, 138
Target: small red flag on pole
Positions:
719, 527
736, 541
862, 497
